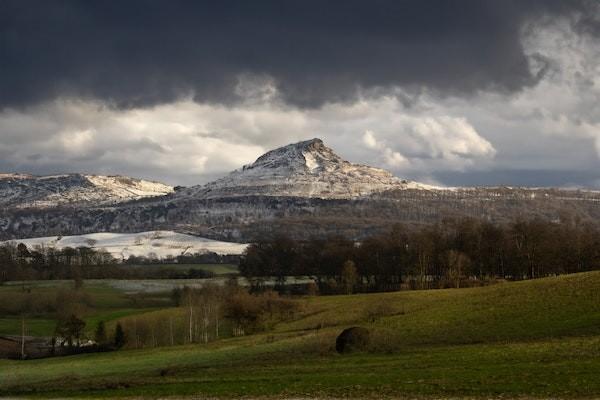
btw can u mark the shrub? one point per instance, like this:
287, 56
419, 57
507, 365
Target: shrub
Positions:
252, 313
352, 339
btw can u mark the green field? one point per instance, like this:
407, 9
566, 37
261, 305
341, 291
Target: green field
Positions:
107, 304
525, 339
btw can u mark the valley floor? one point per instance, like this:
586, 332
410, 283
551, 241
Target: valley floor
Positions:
535, 339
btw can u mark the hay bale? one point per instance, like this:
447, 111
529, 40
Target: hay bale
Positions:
352, 339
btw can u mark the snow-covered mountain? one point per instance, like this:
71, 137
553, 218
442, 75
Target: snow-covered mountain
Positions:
29, 191
305, 169
301, 190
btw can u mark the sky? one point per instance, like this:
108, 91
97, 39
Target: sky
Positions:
457, 93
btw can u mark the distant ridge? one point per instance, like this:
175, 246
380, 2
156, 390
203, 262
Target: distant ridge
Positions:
25, 191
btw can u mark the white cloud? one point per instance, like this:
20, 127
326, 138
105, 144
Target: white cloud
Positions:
77, 142
392, 158
369, 140
164, 142
190, 143
449, 138
423, 140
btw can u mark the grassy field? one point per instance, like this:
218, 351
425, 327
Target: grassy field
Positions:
525, 339
568, 305
110, 299
107, 304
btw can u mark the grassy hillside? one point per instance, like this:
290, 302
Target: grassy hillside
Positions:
534, 338
546, 308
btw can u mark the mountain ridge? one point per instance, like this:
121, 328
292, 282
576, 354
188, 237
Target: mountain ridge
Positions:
301, 190
32, 191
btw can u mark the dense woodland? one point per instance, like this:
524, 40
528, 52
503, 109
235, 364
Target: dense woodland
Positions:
449, 254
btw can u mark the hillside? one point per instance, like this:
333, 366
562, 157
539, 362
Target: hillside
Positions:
153, 243
525, 339
562, 306
29, 191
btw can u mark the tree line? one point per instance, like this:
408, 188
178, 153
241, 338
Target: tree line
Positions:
187, 258
20, 263
449, 254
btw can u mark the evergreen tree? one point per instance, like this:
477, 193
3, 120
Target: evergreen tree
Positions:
100, 335
120, 338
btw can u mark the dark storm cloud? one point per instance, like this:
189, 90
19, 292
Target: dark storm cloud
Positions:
136, 53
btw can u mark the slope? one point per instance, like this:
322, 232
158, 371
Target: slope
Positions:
25, 191
537, 338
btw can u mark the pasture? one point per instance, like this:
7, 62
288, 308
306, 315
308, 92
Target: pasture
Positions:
105, 300
537, 338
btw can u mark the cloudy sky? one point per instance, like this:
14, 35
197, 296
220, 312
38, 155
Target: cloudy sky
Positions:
463, 92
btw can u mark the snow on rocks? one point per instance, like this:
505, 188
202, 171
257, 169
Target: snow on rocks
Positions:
304, 169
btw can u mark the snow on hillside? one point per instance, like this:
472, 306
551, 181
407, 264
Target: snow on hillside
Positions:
122, 245
304, 169
125, 187
22, 191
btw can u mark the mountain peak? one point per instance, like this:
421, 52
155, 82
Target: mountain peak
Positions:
295, 158
304, 169
314, 142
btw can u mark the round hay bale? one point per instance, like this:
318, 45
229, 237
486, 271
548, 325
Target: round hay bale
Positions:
352, 339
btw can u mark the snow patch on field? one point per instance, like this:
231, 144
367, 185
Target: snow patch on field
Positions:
153, 243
